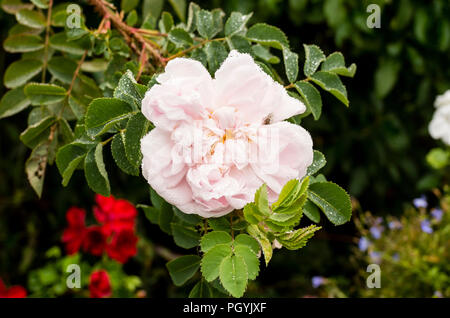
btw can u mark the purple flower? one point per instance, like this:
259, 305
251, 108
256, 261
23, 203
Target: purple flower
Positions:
317, 281
395, 257
375, 256
426, 226
437, 214
395, 225
376, 231
438, 294
378, 220
363, 244
420, 202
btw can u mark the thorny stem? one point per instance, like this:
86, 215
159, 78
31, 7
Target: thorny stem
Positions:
47, 34
142, 59
129, 32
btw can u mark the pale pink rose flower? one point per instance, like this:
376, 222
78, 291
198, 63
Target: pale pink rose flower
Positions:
217, 140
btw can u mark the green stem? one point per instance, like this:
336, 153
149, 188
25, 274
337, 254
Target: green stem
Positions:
184, 52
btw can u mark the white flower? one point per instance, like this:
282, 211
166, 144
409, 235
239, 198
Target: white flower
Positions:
439, 126
217, 140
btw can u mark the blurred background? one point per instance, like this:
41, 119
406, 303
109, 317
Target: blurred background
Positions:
375, 149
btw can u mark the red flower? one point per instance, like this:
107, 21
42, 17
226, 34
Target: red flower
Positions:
73, 235
115, 215
122, 246
94, 241
12, 292
99, 284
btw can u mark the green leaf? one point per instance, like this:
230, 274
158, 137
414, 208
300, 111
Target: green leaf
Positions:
297, 239
311, 96
290, 64
14, 6
166, 22
185, 236
262, 239
250, 258
212, 259
165, 215
68, 159
319, 178
290, 193
13, 102
103, 113
31, 18
44, 94
214, 238
332, 84
332, 200
313, 57
201, 289
132, 18
264, 54
137, 127
216, 53
247, 240
179, 6
118, 153
311, 211
35, 167
234, 275
157, 201
252, 214
65, 130
21, 43
219, 224
151, 213
78, 108
62, 68
41, 4
20, 72
191, 23
267, 35
60, 42
208, 23
183, 268
127, 90
128, 5
261, 200
180, 37
438, 158
386, 76
34, 134
95, 172
241, 44
94, 65
335, 63
192, 219
318, 163
236, 23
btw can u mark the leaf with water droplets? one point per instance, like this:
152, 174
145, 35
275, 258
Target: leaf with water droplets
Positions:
236, 23
318, 163
313, 57
234, 275
332, 200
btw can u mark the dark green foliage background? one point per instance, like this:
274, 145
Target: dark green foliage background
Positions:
376, 149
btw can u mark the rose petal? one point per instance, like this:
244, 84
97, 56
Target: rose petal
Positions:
242, 84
